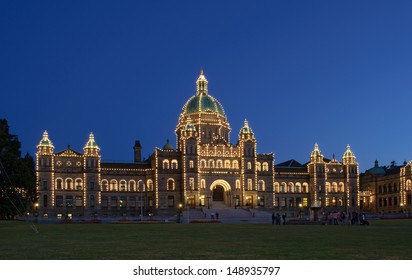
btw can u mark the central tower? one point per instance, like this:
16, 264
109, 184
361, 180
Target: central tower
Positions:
204, 115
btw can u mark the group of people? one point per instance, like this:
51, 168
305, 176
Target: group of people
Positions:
277, 219
353, 218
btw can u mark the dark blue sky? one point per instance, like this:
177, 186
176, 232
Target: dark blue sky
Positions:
331, 72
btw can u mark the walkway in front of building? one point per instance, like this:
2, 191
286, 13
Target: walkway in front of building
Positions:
222, 213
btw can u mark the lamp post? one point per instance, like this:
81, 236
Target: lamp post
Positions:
300, 210
179, 212
36, 213
187, 206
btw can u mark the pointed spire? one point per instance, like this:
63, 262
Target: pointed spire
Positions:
91, 147
348, 156
201, 83
45, 141
316, 154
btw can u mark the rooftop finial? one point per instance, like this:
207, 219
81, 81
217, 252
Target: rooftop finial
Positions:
201, 83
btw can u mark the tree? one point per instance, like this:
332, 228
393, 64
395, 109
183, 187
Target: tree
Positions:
17, 176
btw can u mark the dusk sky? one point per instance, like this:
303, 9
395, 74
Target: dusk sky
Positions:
301, 72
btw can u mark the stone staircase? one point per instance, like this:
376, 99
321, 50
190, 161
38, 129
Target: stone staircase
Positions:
218, 209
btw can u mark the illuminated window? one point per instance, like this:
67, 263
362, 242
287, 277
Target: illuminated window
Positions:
113, 185
122, 185
105, 185
170, 184
235, 164
261, 185
290, 187
334, 187
219, 164
59, 184
132, 185
149, 185
174, 164
238, 184
69, 184
249, 165
305, 187
249, 184
203, 163
203, 184
227, 164
298, 188
258, 166
276, 187
165, 164
192, 183
265, 166
211, 163
283, 187
327, 186
140, 186
79, 184
341, 187
123, 202
191, 164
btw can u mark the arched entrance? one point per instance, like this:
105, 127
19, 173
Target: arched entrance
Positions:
218, 193
221, 192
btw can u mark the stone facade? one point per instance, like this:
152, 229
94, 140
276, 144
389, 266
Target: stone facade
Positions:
204, 169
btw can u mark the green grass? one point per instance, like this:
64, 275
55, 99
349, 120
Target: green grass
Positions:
384, 239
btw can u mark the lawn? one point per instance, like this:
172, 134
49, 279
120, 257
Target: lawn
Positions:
383, 239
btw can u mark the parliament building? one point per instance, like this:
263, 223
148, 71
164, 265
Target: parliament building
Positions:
204, 170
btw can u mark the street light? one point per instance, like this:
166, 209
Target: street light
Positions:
179, 212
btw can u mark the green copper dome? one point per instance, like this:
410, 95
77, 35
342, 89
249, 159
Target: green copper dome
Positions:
168, 146
201, 103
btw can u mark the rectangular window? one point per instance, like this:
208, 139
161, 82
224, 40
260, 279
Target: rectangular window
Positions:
91, 186
249, 184
123, 202
305, 202
69, 201
105, 202
113, 202
45, 185
132, 202
192, 183
59, 201
171, 201
79, 201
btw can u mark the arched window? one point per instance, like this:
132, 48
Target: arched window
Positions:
249, 165
261, 185
219, 164
59, 184
249, 184
305, 187
227, 164
170, 184
132, 185
283, 187
165, 164
408, 185
79, 184
150, 185
122, 185
105, 185
211, 163
191, 164
341, 187
238, 184
174, 164
235, 164
113, 185
290, 187
202, 163
265, 166
328, 187
258, 166
334, 187
69, 184
298, 188
276, 187
202, 184
140, 186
